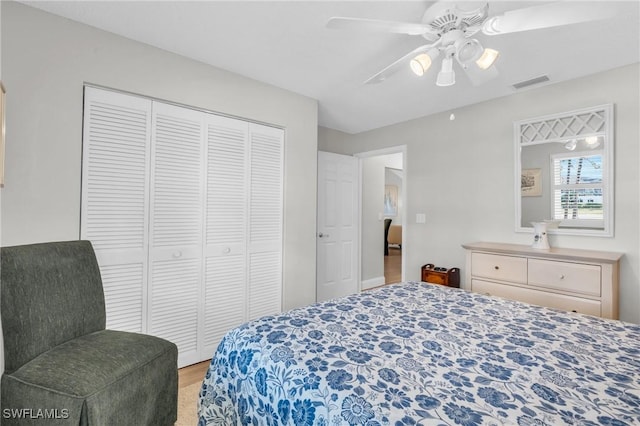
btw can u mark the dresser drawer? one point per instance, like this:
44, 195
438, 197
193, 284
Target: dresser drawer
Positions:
537, 297
497, 267
566, 276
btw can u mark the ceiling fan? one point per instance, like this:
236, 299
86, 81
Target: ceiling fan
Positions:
448, 28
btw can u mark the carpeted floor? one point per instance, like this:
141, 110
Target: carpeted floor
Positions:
187, 405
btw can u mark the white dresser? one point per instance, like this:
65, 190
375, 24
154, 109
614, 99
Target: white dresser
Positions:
575, 280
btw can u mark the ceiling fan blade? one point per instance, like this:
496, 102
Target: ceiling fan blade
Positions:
478, 76
378, 25
548, 15
395, 66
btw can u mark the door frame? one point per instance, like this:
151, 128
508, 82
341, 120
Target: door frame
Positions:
399, 149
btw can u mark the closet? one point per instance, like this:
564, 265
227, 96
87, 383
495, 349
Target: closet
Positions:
184, 210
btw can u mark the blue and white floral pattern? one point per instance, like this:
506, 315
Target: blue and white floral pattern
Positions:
421, 354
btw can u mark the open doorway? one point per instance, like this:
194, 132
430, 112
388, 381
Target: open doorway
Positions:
382, 209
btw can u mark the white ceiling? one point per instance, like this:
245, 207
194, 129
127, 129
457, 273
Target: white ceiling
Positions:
286, 44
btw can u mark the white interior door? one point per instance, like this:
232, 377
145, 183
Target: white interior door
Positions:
115, 182
225, 277
175, 244
266, 150
337, 233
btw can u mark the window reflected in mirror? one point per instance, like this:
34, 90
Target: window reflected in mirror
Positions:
577, 190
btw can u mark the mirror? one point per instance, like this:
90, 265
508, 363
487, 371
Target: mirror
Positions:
564, 172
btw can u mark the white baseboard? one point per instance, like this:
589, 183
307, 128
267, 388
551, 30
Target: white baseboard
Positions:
372, 282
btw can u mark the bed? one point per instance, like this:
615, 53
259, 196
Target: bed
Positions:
421, 354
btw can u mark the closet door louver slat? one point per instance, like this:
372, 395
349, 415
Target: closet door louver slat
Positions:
266, 185
174, 303
177, 191
114, 212
225, 298
226, 181
123, 296
265, 294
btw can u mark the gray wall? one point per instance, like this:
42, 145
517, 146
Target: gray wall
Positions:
467, 189
46, 61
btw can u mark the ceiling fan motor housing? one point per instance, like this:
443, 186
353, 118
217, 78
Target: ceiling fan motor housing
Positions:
467, 17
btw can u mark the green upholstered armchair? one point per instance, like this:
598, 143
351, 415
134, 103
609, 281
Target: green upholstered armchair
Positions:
61, 366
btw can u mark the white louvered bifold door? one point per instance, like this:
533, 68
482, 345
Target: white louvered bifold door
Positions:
225, 290
114, 209
266, 147
176, 212
184, 209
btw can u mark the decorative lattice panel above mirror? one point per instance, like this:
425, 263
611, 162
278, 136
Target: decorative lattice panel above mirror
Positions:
579, 124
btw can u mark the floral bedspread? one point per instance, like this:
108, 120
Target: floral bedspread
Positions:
421, 354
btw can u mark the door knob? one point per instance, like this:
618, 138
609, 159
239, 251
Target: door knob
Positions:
321, 235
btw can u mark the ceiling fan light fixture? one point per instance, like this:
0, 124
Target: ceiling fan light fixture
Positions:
446, 76
468, 51
487, 58
492, 25
592, 142
420, 64
571, 145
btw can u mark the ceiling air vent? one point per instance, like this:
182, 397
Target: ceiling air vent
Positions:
531, 82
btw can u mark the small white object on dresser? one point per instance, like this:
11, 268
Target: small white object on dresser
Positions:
584, 281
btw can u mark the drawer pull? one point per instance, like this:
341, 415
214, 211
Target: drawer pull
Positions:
562, 277
496, 267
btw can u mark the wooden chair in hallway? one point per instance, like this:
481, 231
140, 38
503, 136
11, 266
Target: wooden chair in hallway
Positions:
387, 225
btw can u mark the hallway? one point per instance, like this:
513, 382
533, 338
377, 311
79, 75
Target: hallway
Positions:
393, 266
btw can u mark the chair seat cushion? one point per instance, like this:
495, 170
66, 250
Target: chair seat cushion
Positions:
101, 376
